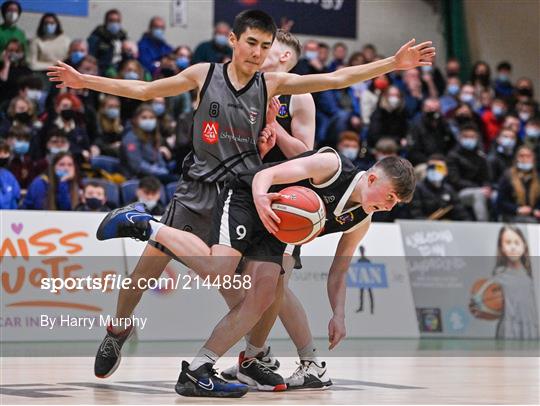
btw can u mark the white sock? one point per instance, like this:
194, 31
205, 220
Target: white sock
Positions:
252, 351
204, 356
308, 353
155, 229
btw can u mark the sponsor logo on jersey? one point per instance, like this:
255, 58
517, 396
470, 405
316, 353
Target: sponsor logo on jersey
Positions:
210, 131
283, 111
345, 218
329, 199
253, 115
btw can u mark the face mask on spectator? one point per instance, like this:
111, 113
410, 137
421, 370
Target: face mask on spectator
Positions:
77, 56
57, 150
35, 94
68, 114
60, 173
453, 89
532, 132
508, 143
434, 176
433, 115
524, 166
131, 75
524, 116
221, 40
23, 118
466, 98
147, 124
159, 108
15, 56
158, 33
393, 101
150, 204
311, 55
112, 113
427, 69
21, 147
498, 111
12, 17
350, 153
50, 29
502, 77
525, 91
182, 62
93, 203
167, 72
114, 28
468, 143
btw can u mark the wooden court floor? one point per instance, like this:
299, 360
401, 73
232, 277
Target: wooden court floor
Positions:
365, 380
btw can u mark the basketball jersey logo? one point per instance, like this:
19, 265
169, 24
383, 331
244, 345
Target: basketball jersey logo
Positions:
345, 218
283, 111
210, 132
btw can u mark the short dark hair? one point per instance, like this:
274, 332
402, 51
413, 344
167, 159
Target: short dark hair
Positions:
41, 26
437, 157
340, 44
4, 146
323, 45
93, 183
111, 11
150, 184
9, 3
255, 19
401, 173
469, 126
504, 65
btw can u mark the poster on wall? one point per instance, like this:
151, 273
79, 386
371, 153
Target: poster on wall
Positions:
332, 18
473, 280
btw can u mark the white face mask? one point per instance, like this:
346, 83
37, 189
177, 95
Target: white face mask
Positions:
149, 203
12, 17
394, 101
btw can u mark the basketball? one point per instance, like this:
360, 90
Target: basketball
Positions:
302, 215
488, 299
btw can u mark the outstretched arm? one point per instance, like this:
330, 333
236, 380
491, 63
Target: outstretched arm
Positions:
336, 285
407, 57
189, 79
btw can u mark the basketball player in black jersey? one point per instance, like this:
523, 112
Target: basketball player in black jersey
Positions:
251, 39
245, 203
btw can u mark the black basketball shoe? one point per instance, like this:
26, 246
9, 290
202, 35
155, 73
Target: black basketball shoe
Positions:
266, 359
108, 356
204, 382
309, 375
128, 221
256, 374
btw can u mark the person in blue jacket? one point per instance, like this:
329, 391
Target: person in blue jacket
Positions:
58, 190
152, 45
10, 191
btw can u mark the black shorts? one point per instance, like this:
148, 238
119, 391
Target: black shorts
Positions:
236, 224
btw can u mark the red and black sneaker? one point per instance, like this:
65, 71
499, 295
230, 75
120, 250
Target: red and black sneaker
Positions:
108, 356
255, 373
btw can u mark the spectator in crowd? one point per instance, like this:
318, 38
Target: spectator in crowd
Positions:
58, 190
370, 52
183, 56
20, 113
524, 90
501, 154
430, 134
468, 172
49, 45
56, 142
434, 198
493, 119
13, 68
152, 45
532, 136
324, 53
519, 190
131, 70
525, 110
453, 68
67, 117
503, 84
78, 50
449, 99
130, 52
348, 145
309, 63
512, 121
339, 55
110, 129
467, 95
369, 96
140, 152
181, 103
10, 191
11, 12
389, 119
217, 49
167, 67
149, 193
414, 92
31, 87
22, 165
385, 147
105, 42
481, 77
462, 115
432, 76
93, 198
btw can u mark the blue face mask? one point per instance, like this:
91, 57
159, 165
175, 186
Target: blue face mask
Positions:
434, 176
506, 142
77, 56
467, 98
50, 29
114, 28
503, 78
221, 40
532, 132
453, 89
468, 143
60, 173
147, 125
158, 33
311, 55
524, 166
56, 150
21, 147
182, 62
498, 111
131, 75
112, 113
159, 108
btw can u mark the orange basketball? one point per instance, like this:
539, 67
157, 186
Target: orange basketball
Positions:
302, 215
488, 299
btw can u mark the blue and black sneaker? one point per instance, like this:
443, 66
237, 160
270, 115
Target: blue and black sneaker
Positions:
204, 382
128, 221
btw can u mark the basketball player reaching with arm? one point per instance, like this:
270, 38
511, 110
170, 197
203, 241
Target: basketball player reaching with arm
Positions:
246, 203
215, 154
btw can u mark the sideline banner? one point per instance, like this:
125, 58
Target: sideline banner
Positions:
473, 279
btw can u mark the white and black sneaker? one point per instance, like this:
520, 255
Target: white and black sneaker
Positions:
309, 375
266, 359
254, 373
108, 356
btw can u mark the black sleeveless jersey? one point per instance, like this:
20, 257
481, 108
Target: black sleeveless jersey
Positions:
284, 119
